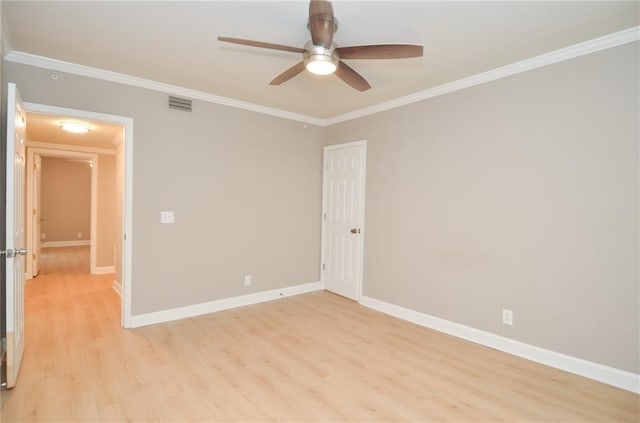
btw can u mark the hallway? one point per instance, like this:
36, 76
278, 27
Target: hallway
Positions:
64, 281
64, 260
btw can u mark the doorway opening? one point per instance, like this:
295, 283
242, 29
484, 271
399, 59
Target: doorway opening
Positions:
63, 189
104, 155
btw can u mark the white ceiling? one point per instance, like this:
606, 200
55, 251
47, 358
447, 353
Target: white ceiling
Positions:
175, 42
45, 128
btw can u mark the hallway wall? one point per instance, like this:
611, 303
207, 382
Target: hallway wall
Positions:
66, 200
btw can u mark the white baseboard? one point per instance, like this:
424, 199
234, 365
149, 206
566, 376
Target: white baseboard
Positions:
117, 286
103, 270
223, 304
65, 243
609, 375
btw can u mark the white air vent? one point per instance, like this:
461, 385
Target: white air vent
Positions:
178, 103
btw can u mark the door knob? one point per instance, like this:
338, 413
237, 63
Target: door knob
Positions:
11, 253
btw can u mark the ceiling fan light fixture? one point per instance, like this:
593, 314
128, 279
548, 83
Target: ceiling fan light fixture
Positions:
75, 127
320, 60
320, 67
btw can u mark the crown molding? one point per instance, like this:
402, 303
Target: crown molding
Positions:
602, 43
121, 78
598, 44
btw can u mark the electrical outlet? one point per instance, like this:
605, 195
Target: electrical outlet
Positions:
507, 317
247, 280
166, 217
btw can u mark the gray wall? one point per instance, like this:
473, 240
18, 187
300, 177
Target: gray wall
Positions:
520, 194
244, 188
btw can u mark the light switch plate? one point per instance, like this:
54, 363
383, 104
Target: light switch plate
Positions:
166, 217
507, 317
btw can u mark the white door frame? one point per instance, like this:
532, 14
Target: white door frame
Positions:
363, 179
127, 203
45, 152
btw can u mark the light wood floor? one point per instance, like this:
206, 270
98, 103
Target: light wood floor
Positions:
315, 357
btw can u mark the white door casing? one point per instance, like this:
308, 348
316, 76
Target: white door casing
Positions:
37, 214
15, 235
33, 213
343, 218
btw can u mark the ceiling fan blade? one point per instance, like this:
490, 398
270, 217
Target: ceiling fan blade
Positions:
288, 74
322, 23
261, 44
351, 77
381, 51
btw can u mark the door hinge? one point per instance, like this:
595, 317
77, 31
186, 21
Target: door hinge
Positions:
325, 215
33, 256
322, 266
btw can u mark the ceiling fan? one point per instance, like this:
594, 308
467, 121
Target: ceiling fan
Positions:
321, 56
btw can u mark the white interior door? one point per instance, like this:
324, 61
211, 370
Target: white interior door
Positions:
15, 238
37, 214
343, 218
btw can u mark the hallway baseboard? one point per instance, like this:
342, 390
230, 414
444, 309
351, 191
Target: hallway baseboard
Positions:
65, 243
103, 270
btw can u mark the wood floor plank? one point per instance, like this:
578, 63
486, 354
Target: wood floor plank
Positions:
314, 357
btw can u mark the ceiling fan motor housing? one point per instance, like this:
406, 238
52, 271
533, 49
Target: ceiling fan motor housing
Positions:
320, 56
325, 24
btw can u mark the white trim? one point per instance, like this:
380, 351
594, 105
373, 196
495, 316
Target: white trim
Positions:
68, 147
363, 189
52, 244
29, 209
587, 47
93, 256
104, 270
609, 375
220, 305
127, 222
117, 287
46, 109
571, 52
127, 212
121, 78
